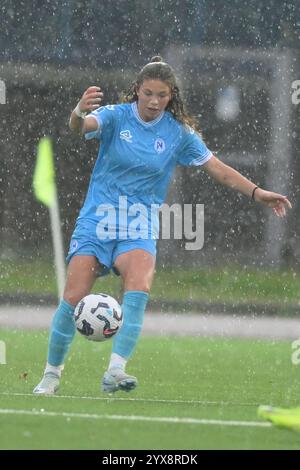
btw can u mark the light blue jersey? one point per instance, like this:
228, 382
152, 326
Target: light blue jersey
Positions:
137, 158
130, 180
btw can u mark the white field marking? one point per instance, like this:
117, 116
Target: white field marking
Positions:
148, 400
155, 419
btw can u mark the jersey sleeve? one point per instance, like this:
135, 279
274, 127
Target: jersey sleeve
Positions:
193, 151
106, 117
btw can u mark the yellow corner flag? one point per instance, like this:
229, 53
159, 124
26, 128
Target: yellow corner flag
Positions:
44, 174
283, 417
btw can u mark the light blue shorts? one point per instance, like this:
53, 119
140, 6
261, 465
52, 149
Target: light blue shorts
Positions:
107, 250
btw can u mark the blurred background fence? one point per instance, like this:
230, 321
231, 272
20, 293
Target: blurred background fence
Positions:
236, 62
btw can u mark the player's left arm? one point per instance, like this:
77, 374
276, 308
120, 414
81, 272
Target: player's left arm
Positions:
230, 177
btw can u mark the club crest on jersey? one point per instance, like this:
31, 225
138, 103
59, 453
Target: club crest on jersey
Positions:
159, 145
126, 135
74, 245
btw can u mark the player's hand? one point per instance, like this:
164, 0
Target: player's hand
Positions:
277, 202
90, 99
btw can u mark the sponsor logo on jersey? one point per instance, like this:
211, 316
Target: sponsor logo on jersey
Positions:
126, 135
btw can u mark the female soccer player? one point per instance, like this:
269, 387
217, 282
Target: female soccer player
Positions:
142, 140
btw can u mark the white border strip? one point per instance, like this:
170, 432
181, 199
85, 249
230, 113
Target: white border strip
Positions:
155, 419
147, 400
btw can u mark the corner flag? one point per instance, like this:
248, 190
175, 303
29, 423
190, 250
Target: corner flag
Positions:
282, 417
44, 188
44, 174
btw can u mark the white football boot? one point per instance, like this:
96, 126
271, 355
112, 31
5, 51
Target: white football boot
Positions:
116, 379
48, 385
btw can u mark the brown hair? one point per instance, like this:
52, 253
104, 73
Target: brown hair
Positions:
157, 69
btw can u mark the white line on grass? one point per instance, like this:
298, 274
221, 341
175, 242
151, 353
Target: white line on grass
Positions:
155, 419
149, 400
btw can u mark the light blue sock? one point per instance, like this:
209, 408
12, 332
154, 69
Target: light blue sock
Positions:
61, 334
133, 307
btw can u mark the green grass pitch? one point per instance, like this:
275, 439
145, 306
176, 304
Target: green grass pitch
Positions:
194, 393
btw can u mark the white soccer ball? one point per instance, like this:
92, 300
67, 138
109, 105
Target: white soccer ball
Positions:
98, 317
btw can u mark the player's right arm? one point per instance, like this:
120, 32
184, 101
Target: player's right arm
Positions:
89, 101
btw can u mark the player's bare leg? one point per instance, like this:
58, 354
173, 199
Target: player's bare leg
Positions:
137, 269
81, 275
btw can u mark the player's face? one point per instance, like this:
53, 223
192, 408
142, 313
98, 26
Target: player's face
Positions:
153, 98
